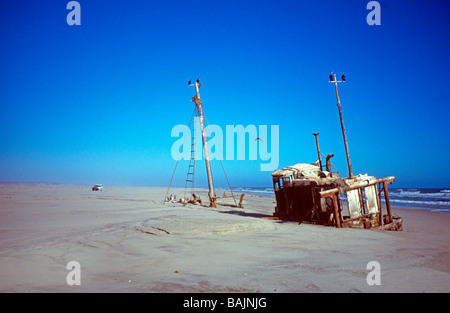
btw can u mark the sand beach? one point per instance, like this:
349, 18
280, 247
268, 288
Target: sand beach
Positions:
126, 240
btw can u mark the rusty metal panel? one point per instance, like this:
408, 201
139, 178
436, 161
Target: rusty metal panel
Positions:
371, 199
354, 203
372, 203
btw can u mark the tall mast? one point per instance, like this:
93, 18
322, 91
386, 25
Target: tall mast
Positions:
198, 103
349, 164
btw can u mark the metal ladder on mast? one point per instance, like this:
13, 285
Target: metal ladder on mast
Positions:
190, 177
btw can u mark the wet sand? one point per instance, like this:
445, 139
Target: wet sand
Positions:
126, 240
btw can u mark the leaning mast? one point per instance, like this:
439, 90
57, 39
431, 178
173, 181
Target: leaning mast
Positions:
344, 135
198, 103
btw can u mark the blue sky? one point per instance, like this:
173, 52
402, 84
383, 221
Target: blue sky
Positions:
96, 103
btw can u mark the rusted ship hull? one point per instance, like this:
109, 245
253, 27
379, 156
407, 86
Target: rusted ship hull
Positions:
304, 193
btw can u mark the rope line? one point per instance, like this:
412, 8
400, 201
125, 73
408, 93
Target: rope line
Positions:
220, 159
179, 157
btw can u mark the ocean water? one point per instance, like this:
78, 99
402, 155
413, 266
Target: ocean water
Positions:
432, 199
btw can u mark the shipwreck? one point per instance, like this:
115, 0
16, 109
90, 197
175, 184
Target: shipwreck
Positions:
311, 192
304, 192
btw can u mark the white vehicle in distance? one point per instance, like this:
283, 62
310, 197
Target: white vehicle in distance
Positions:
97, 188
